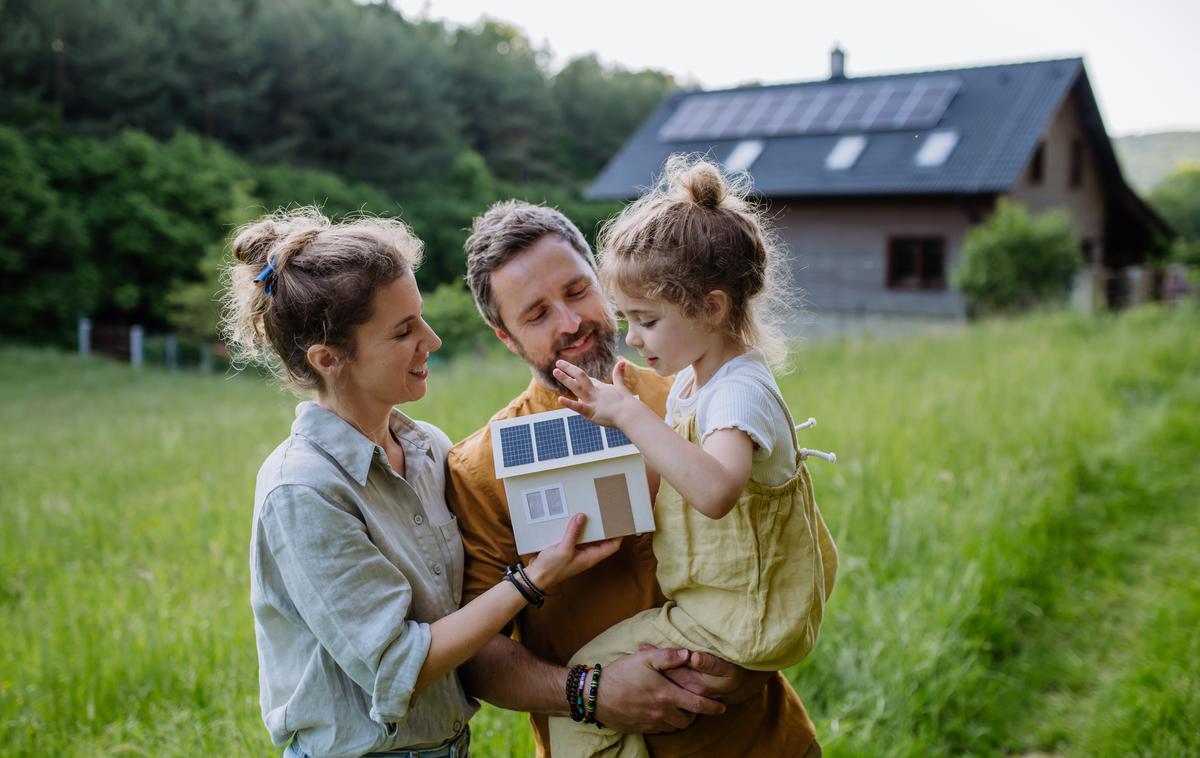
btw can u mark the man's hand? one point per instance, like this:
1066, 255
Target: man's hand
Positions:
711, 677
637, 697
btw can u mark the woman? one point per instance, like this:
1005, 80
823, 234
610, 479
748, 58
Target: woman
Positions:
356, 563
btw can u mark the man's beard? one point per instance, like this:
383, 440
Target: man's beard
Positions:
597, 363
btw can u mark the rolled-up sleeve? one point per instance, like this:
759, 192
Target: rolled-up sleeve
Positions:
349, 594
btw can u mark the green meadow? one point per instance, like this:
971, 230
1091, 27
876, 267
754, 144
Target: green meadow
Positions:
1016, 506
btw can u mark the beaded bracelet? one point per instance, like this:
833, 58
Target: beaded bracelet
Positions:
575, 680
590, 715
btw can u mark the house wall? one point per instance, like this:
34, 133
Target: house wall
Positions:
577, 483
838, 247
838, 253
1084, 203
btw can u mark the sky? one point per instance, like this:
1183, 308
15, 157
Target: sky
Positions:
1142, 56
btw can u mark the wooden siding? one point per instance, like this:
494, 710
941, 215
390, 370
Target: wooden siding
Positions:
838, 253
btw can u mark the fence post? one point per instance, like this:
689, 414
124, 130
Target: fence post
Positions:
136, 340
172, 351
85, 336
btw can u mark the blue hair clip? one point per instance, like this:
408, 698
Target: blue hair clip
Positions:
267, 275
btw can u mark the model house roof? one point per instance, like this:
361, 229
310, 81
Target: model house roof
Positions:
553, 439
967, 130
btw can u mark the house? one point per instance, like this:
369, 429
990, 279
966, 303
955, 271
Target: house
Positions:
874, 181
558, 463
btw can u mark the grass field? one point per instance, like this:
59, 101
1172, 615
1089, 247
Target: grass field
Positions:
1016, 505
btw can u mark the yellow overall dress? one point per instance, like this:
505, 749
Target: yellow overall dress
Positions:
749, 588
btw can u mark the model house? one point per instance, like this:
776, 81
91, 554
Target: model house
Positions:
558, 463
876, 180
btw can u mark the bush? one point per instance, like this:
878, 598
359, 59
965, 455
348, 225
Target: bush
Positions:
451, 311
1015, 261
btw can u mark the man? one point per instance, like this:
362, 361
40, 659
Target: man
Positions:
534, 281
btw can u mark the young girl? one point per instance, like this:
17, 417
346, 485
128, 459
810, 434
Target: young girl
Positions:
743, 552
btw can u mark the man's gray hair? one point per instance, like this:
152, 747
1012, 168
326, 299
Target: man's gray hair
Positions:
506, 230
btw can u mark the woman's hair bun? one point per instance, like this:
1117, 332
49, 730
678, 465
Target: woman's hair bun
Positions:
704, 185
253, 243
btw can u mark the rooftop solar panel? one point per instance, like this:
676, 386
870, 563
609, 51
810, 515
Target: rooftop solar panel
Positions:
551, 438
516, 446
585, 436
915, 103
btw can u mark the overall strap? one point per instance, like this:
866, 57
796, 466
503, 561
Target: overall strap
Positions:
801, 452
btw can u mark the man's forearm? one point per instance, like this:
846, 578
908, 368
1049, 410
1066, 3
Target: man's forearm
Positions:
508, 676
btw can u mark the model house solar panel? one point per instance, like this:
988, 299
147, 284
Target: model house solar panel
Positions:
551, 438
616, 437
585, 436
516, 445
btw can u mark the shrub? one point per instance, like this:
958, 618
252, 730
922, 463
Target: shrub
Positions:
1014, 261
451, 311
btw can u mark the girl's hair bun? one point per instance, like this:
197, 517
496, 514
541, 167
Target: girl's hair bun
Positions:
253, 243
704, 185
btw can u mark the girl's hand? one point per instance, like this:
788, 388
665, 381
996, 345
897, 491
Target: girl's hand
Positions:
567, 558
596, 401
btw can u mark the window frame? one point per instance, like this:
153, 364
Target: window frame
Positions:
922, 245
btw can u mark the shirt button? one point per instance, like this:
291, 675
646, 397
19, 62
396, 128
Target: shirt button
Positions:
437, 569
418, 519
457, 726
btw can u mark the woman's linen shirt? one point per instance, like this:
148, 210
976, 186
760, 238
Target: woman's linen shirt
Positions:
350, 563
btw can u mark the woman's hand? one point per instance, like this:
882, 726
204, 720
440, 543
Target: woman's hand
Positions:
567, 558
597, 401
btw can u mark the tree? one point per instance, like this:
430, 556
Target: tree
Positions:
1177, 198
46, 277
1014, 261
600, 108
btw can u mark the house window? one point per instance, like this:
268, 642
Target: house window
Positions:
916, 263
545, 504
1037, 165
743, 155
1077, 153
1087, 249
845, 152
936, 148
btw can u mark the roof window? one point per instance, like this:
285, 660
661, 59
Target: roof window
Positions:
743, 155
936, 148
845, 152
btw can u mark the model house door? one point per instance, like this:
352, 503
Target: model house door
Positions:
616, 512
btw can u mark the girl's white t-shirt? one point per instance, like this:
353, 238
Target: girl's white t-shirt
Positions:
737, 397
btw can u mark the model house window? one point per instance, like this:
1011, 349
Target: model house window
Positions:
1077, 154
916, 263
1037, 165
545, 504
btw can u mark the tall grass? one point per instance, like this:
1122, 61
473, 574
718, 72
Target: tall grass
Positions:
1015, 506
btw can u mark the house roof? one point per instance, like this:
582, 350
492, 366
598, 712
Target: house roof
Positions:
552, 440
991, 117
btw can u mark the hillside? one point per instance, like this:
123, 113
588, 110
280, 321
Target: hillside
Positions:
1147, 159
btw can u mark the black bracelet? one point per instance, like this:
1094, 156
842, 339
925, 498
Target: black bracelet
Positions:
511, 576
534, 587
531, 594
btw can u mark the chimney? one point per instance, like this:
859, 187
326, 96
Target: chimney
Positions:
837, 62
